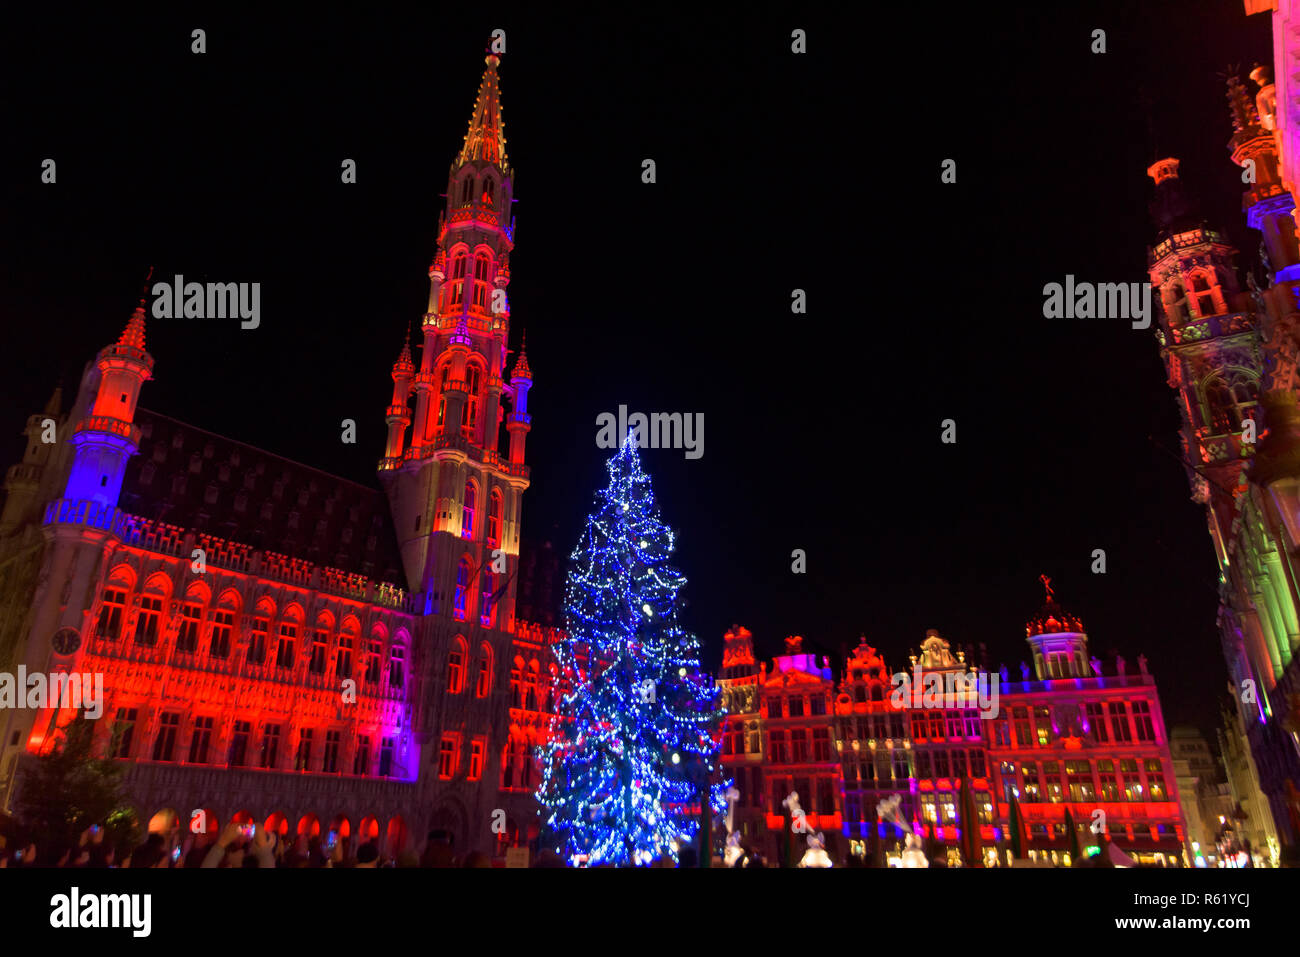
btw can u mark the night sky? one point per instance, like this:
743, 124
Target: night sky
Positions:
775, 171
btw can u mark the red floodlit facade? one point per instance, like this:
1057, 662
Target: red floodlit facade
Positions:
282, 645
1074, 734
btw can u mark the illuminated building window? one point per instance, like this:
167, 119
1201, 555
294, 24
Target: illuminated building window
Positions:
123, 733
867, 771
796, 707
456, 668
984, 805
302, 760
825, 797
821, 743
530, 688
973, 727
485, 605
955, 732
201, 740
774, 707
149, 621
284, 648
1155, 781
483, 684
494, 519
901, 770
361, 761
319, 646
1079, 777
936, 725
447, 755
373, 662
1131, 783
1033, 792
1108, 781
467, 511
223, 626
958, 763
109, 625
896, 726
1097, 722
1119, 725
1002, 733
330, 758
1007, 775
852, 808
1043, 725
241, 734
928, 812
948, 807
941, 769
343, 659
1202, 296
977, 768
918, 726
776, 747
798, 743
396, 668
467, 191
489, 191
460, 600
270, 746
481, 270
477, 750
1142, 721
187, 638
1052, 781
1023, 728
924, 765
469, 414
456, 291
164, 746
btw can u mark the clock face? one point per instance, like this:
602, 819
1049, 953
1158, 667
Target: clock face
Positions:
66, 641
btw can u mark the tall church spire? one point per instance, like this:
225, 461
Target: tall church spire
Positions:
486, 139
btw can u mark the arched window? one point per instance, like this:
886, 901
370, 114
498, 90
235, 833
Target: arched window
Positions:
467, 190
456, 667
469, 415
1221, 410
495, 508
485, 607
516, 685
467, 510
483, 685
489, 191
482, 293
456, 291
461, 601
1203, 295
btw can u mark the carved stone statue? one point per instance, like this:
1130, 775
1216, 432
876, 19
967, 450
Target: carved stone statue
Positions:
1024, 671
1096, 665
1142, 663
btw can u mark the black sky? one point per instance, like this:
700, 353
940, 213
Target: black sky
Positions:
775, 171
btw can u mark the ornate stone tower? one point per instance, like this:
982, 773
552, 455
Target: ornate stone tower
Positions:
455, 498
1209, 344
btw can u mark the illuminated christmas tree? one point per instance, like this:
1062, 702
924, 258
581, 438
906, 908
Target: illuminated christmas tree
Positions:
635, 743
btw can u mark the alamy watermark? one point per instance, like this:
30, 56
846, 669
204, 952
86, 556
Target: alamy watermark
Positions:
63, 689
213, 300
950, 689
1107, 300
659, 430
